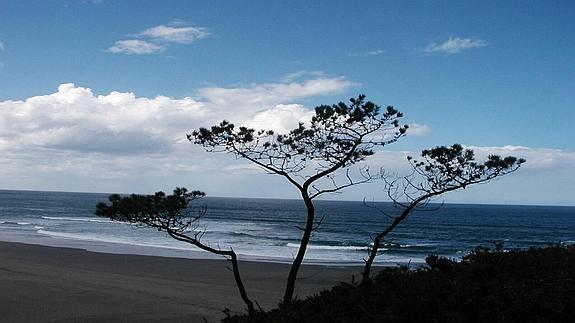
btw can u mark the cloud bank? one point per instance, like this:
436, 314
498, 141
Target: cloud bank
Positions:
76, 140
75, 119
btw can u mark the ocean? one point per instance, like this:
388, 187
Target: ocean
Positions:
266, 229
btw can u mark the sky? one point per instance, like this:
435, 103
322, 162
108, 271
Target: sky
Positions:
97, 96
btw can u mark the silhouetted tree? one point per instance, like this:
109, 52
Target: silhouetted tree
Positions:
441, 170
309, 157
172, 214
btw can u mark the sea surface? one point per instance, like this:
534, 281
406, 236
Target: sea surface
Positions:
267, 229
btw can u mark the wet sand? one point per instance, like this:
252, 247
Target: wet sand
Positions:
53, 284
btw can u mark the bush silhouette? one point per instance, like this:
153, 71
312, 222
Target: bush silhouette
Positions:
535, 285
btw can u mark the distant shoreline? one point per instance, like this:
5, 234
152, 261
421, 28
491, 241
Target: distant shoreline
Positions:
291, 199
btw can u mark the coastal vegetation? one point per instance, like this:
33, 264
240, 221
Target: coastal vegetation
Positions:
316, 159
487, 285
319, 158
174, 215
440, 170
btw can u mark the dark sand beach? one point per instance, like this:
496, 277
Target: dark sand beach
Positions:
49, 284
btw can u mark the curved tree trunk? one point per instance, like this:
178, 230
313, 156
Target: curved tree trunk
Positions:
290, 286
228, 253
240, 284
372, 253
379, 237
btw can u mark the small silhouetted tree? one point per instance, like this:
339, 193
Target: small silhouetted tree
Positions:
310, 156
172, 214
440, 170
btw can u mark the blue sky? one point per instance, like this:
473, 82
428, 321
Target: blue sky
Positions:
495, 76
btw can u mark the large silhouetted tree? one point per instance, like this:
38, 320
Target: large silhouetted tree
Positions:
440, 170
310, 156
172, 214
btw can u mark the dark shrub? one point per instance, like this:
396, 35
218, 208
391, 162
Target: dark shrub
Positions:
535, 285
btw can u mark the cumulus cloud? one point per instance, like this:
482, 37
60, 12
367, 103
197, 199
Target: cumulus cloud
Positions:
455, 45
80, 140
182, 35
74, 139
135, 46
120, 123
281, 118
75, 119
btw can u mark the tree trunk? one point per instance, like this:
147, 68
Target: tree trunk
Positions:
372, 253
229, 253
290, 286
240, 284
377, 240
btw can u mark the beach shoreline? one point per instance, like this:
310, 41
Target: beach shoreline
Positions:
188, 252
59, 284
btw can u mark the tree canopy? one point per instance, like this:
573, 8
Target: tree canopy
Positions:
159, 210
315, 158
174, 215
440, 170
337, 136
309, 156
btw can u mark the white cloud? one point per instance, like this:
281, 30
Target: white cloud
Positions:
418, 130
157, 39
538, 159
75, 119
375, 52
73, 139
299, 75
265, 95
135, 46
183, 35
281, 118
548, 176
455, 45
